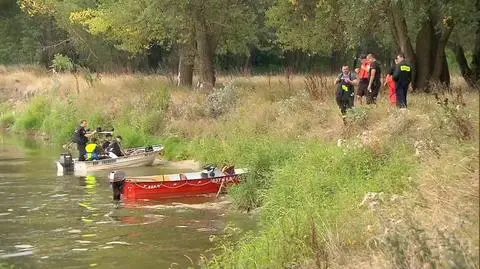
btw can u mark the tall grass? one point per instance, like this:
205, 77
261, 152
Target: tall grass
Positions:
308, 172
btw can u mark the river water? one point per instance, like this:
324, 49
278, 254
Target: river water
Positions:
50, 221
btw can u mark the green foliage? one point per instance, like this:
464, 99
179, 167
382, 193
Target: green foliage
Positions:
222, 100
58, 118
357, 115
62, 63
316, 189
19, 36
147, 112
456, 121
32, 118
176, 148
7, 119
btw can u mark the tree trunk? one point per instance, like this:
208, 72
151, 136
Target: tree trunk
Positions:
247, 67
463, 64
423, 49
401, 31
185, 65
440, 58
445, 75
205, 52
476, 54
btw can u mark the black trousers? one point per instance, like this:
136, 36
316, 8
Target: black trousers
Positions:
344, 101
81, 152
372, 96
402, 88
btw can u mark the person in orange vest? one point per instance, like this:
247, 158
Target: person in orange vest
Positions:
363, 77
392, 85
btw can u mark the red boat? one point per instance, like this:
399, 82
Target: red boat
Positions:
209, 181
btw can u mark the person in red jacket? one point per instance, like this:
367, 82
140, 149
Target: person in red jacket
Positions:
392, 85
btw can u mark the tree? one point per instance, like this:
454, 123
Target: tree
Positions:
431, 22
202, 26
59, 35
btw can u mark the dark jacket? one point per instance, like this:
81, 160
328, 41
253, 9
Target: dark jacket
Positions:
79, 136
115, 148
403, 73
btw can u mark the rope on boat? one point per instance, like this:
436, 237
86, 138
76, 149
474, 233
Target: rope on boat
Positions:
176, 187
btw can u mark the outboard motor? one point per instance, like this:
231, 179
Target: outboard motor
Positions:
209, 171
66, 161
117, 179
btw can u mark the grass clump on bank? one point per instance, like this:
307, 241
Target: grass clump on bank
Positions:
327, 192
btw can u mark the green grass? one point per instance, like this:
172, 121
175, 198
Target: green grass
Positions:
319, 185
307, 187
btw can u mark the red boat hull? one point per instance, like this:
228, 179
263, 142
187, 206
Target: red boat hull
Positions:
152, 190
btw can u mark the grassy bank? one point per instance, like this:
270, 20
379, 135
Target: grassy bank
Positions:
389, 189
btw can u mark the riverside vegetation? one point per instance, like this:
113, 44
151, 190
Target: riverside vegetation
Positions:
391, 189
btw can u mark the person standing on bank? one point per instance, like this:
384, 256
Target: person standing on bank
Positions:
345, 90
403, 77
363, 77
80, 137
374, 82
392, 85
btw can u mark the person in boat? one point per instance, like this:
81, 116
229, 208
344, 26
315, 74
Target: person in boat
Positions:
115, 148
106, 143
93, 151
80, 137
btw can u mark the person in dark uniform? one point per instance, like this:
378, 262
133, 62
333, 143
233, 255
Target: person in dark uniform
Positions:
345, 90
402, 76
106, 143
116, 148
374, 82
80, 137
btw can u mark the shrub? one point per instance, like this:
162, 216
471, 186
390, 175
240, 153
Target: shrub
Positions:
34, 115
7, 119
221, 100
62, 63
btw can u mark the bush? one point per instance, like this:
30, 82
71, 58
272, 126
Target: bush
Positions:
62, 63
34, 115
222, 100
7, 119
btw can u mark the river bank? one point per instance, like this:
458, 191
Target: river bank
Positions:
387, 189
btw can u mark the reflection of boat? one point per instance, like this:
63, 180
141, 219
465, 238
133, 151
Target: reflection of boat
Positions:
208, 181
137, 157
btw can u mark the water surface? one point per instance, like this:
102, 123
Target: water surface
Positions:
50, 221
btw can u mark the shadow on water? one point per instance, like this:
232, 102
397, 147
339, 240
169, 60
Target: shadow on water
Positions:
50, 221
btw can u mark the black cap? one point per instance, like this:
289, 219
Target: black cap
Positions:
362, 56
